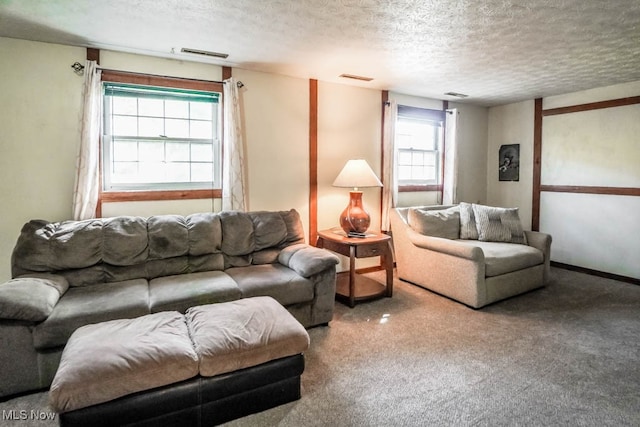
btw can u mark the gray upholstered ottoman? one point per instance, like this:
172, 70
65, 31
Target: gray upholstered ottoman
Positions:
214, 363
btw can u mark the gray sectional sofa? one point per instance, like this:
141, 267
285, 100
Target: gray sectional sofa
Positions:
72, 273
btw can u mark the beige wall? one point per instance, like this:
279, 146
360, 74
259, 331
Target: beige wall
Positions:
511, 124
276, 126
40, 106
593, 148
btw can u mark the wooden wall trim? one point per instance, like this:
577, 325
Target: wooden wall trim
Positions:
163, 81
598, 273
313, 161
145, 196
93, 55
537, 164
614, 191
226, 73
445, 107
385, 99
592, 106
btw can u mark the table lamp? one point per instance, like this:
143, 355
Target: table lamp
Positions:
356, 174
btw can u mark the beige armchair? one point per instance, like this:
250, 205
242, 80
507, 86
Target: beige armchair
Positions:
473, 272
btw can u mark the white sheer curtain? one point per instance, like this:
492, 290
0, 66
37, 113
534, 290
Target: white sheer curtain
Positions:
87, 183
450, 182
389, 178
233, 180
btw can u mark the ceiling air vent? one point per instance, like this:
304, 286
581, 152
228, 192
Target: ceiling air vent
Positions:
456, 94
204, 52
354, 77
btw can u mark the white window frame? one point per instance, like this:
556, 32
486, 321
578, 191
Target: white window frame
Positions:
165, 93
435, 118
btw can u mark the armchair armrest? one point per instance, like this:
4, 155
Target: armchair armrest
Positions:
539, 240
31, 298
307, 260
447, 246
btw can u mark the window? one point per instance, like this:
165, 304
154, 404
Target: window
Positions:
419, 139
160, 138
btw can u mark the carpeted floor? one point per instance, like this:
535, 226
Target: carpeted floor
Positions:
568, 354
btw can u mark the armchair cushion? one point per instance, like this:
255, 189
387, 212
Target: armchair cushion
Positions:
31, 298
501, 257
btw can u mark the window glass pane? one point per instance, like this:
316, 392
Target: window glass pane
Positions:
125, 151
177, 128
151, 172
201, 110
177, 151
177, 109
125, 126
150, 107
151, 151
403, 140
178, 172
404, 172
404, 158
430, 158
202, 172
201, 129
151, 127
124, 172
125, 105
201, 152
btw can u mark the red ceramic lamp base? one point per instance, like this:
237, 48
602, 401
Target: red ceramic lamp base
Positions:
354, 217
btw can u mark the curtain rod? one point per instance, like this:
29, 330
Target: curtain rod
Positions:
79, 70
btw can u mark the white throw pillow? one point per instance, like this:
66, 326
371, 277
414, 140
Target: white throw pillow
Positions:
468, 228
498, 224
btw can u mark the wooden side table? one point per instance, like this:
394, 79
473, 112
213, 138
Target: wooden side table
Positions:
352, 287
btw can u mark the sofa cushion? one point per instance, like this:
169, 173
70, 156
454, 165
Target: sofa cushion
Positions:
501, 258
168, 236
237, 233
275, 280
91, 304
498, 224
182, 291
31, 298
240, 334
269, 229
108, 360
443, 223
468, 228
124, 240
205, 233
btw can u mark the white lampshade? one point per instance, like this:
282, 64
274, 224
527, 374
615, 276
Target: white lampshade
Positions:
357, 174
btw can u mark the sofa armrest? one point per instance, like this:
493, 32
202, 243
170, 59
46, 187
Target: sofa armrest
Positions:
31, 298
446, 246
307, 260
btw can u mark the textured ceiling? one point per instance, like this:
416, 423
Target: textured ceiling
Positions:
495, 51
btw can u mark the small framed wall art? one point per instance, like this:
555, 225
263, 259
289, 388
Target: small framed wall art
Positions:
509, 162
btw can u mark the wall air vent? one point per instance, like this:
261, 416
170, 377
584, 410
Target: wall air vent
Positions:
354, 77
456, 94
204, 52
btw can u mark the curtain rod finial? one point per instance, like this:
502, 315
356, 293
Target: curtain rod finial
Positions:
78, 68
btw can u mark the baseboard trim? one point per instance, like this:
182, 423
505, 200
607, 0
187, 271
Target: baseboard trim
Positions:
598, 273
